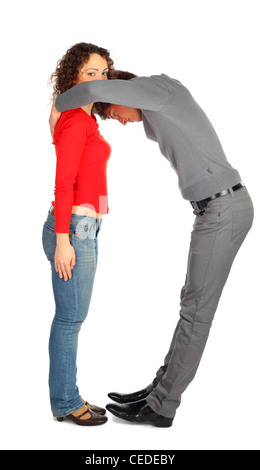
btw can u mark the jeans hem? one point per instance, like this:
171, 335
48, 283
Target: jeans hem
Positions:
63, 415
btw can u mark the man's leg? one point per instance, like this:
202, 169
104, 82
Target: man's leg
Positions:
215, 241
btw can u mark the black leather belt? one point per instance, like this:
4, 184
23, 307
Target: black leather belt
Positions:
201, 205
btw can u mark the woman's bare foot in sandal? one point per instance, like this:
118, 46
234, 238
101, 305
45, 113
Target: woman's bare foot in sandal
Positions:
83, 413
96, 409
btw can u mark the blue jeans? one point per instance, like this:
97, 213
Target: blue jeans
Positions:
72, 299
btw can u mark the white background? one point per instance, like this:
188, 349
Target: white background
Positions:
213, 48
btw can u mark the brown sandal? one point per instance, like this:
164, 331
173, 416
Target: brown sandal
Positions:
94, 420
96, 409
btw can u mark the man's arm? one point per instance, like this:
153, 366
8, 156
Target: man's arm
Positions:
150, 93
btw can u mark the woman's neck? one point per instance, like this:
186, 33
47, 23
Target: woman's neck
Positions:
87, 109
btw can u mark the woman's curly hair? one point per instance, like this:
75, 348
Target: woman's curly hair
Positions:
66, 73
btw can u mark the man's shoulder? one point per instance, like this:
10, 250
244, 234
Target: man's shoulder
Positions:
160, 79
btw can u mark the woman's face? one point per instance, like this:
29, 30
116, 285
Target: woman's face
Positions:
96, 68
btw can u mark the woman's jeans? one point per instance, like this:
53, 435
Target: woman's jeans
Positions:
72, 299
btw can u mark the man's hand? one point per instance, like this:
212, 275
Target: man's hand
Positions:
54, 117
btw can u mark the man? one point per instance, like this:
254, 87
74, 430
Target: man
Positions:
221, 203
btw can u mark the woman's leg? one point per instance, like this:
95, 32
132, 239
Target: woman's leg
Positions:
72, 300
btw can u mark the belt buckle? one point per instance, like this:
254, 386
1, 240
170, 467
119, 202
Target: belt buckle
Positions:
196, 207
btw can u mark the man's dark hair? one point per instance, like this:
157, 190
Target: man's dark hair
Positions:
100, 108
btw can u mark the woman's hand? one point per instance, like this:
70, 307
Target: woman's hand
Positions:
64, 257
54, 117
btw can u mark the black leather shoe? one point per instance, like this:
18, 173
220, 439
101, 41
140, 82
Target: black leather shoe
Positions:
139, 412
130, 397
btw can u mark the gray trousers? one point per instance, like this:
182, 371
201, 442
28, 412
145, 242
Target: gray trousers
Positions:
215, 240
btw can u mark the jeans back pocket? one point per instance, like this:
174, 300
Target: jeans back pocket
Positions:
48, 241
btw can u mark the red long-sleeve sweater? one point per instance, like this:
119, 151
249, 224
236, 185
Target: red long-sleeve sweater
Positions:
82, 156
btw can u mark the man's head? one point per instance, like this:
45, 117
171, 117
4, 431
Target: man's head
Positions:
120, 113
123, 114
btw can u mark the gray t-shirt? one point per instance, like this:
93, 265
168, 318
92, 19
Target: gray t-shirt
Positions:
173, 119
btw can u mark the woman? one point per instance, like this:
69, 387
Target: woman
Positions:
70, 231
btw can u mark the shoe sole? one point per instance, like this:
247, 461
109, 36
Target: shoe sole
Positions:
83, 422
160, 423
